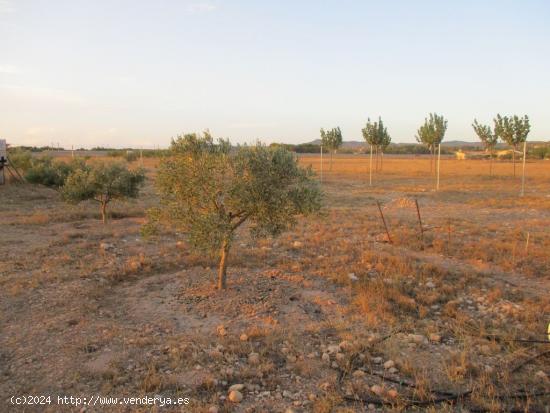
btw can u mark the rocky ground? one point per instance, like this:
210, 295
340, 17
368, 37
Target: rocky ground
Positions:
330, 317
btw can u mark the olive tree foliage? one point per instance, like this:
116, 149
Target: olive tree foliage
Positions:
431, 133
377, 136
488, 138
513, 130
332, 140
51, 172
102, 183
209, 190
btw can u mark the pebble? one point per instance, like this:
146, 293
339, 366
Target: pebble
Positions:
378, 390
436, 338
541, 375
213, 409
389, 364
358, 373
392, 370
243, 337
353, 277
430, 284
326, 358
235, 396
392, 393
298, 244
221, 330
254, 358
236, 387
377, 360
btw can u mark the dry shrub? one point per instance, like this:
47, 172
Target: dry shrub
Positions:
383, 303
36, 218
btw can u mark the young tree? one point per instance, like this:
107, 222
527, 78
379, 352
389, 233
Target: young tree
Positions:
377, 136
489, 140
431, 133
210, 191
103, 183
332, 140
512, 130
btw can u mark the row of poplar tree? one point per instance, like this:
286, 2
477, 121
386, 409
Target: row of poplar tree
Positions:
512, 130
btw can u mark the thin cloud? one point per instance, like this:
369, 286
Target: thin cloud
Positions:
6, 6
8, 69
201, 7
41, 94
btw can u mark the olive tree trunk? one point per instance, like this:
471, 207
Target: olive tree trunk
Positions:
222, 270
104, 211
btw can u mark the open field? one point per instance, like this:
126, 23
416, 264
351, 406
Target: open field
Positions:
327, 318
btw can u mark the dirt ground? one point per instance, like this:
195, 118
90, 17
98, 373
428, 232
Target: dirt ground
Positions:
331, 317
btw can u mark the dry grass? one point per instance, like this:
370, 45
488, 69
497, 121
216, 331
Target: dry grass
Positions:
140, 317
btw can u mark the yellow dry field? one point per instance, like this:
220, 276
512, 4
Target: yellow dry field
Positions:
330, 317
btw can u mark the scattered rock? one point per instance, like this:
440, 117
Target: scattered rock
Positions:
377, 360
236, 387
417, 338
243, 337
221, 330
345, 345
325, 357
378, 390
389, 364
392, 393
353, 277
541, 375
358, 373
105, 246
392, 370
213, 409
254, 358
235, 396
435, 338
297, 244
430, 284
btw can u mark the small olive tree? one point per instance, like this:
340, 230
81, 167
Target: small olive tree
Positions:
103, 183
431, 133
513, 130
488, 138
332, 140
210, 190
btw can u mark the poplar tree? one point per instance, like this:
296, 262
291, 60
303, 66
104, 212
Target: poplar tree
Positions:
513, 130
431, 133
377, 136
488, 138
332, 140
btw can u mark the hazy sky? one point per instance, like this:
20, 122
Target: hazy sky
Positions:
130, 72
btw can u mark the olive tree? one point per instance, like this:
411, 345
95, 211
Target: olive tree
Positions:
377, 136
431, 133
513, 130
209, 190
488, 138
332, 140
102, 183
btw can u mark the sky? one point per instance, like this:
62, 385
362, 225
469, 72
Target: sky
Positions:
121, 73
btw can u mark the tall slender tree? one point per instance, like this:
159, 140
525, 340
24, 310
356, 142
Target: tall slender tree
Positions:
488, 138
513, 130
431, 133
377, 136
332, 140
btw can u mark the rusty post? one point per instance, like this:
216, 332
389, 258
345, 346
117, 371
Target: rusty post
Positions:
384, 221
